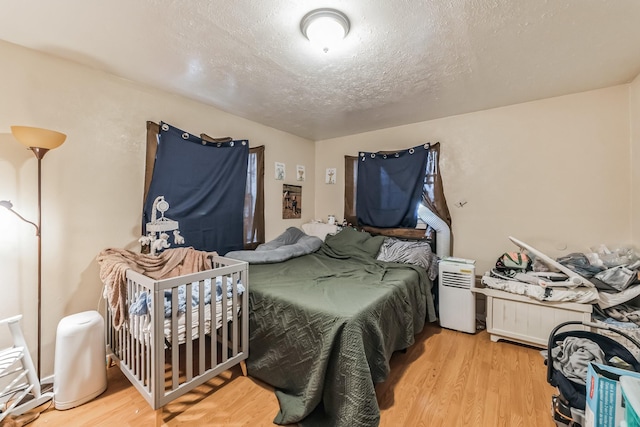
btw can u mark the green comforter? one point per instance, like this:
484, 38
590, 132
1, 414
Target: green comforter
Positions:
323, 328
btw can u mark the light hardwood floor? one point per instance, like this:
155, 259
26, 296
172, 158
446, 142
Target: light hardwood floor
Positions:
446, 378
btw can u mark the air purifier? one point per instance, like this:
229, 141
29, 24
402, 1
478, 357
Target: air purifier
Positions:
457, 303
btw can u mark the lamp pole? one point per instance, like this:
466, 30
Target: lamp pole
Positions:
39, 153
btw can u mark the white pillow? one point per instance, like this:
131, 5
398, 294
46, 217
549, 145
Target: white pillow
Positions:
319, 229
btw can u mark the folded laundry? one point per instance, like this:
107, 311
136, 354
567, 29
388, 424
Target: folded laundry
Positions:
582, 294
624, 313
610, 299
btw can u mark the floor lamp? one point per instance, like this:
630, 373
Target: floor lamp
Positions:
40, 141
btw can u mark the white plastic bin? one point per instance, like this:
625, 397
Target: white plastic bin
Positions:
80, 360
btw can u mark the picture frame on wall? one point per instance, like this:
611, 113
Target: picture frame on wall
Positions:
291, 201
280, 171
330, 176
300, 172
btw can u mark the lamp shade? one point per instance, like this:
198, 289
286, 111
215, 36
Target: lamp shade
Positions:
38, 137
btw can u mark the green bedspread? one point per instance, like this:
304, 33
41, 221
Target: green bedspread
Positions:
323, 328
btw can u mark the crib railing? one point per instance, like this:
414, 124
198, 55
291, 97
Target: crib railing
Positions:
184, 340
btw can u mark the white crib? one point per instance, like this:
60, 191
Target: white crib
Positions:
166, 356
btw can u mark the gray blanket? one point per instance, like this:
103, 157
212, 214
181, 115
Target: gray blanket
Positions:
290, 244
573, 355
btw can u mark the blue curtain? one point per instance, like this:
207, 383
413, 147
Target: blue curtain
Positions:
204, 184
389, 187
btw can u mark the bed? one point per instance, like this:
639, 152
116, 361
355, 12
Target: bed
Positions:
169, 335
323, 327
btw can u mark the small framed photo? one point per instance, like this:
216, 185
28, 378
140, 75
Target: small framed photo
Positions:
280, 171
330, 176
291, 201
299, 172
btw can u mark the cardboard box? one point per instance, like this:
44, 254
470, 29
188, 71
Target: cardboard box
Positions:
631, 393
604, 396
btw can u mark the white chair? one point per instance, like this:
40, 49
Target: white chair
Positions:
19, 384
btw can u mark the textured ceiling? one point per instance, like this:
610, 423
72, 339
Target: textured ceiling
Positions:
404, 61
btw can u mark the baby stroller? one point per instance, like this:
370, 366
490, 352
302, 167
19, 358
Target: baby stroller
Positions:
567, 408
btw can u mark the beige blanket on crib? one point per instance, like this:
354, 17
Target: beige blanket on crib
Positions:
114, 264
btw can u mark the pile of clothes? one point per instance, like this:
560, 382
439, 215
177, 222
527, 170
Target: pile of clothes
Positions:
608, 278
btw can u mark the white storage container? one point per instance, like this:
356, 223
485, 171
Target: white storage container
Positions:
80, 360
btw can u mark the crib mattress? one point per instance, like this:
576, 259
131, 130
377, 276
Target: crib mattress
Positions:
140, 326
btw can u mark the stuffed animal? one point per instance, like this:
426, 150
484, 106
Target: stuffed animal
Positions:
160, 244
177, 238
146, 240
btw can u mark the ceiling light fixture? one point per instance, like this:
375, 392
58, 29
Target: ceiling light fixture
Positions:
325, 27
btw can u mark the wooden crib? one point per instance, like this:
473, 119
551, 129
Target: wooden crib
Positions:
176, 346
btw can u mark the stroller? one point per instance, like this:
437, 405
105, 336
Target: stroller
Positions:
567, 408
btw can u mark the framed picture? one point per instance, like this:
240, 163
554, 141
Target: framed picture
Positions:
330, 176
291, 201
299, 172
280, 171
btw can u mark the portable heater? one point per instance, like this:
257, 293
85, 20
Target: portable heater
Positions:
456, 301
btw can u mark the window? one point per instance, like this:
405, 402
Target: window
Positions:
254, 227
432, 196
254, 199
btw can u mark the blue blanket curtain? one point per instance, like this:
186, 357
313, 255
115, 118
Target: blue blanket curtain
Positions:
204, 184
390, 187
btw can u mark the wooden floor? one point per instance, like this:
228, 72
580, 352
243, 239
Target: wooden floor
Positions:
446, 379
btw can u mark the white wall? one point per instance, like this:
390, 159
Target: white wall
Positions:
92, 185
554, 173
634, 125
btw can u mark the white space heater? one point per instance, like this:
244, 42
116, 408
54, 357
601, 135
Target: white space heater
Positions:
456, 301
